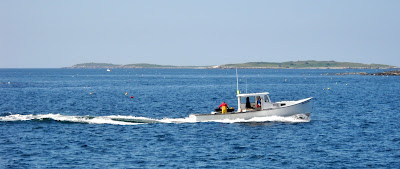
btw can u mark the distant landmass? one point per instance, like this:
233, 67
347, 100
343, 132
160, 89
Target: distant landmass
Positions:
306, 64
311, 64
387, 73
138, 65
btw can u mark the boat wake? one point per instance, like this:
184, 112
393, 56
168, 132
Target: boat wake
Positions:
133, 120
298, 118
117, 120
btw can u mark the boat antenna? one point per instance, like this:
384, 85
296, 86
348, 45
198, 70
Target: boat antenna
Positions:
246, 83
237, 82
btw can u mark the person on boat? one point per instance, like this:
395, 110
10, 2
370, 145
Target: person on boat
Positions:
258, 103
224, 107
248, 105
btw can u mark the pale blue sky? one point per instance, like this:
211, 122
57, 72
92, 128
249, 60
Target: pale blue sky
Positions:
51, 34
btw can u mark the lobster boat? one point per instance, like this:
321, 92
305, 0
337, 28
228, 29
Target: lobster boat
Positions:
251, 105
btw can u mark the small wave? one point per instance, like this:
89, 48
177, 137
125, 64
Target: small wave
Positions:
5, 114
133, 120
64, 118
178, 120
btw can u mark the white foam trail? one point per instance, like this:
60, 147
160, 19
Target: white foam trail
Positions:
64, 118
179, 120
300, 118
133, 120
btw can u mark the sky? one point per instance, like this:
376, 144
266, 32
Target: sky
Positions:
54, 34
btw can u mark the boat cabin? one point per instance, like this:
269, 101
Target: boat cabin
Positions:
253, 102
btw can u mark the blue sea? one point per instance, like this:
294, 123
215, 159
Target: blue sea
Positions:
139, 118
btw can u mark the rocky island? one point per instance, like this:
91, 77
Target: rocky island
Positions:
387, 73
311, 64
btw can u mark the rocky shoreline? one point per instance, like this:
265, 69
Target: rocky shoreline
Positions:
387, 73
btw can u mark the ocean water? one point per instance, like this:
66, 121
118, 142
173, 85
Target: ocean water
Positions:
139, 118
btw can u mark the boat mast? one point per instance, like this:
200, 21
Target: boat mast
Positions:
237, 88
237, 82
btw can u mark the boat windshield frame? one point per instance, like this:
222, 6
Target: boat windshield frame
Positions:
252, 94
260, 95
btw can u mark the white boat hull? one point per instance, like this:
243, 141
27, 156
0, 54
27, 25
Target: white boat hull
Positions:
303, 106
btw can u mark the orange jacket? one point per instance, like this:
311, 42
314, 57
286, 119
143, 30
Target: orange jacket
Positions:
223, 104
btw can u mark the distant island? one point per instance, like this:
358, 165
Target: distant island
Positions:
138, 66
387, 73
311, 64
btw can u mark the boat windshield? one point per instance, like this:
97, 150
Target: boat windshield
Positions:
266, 98
244, 99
